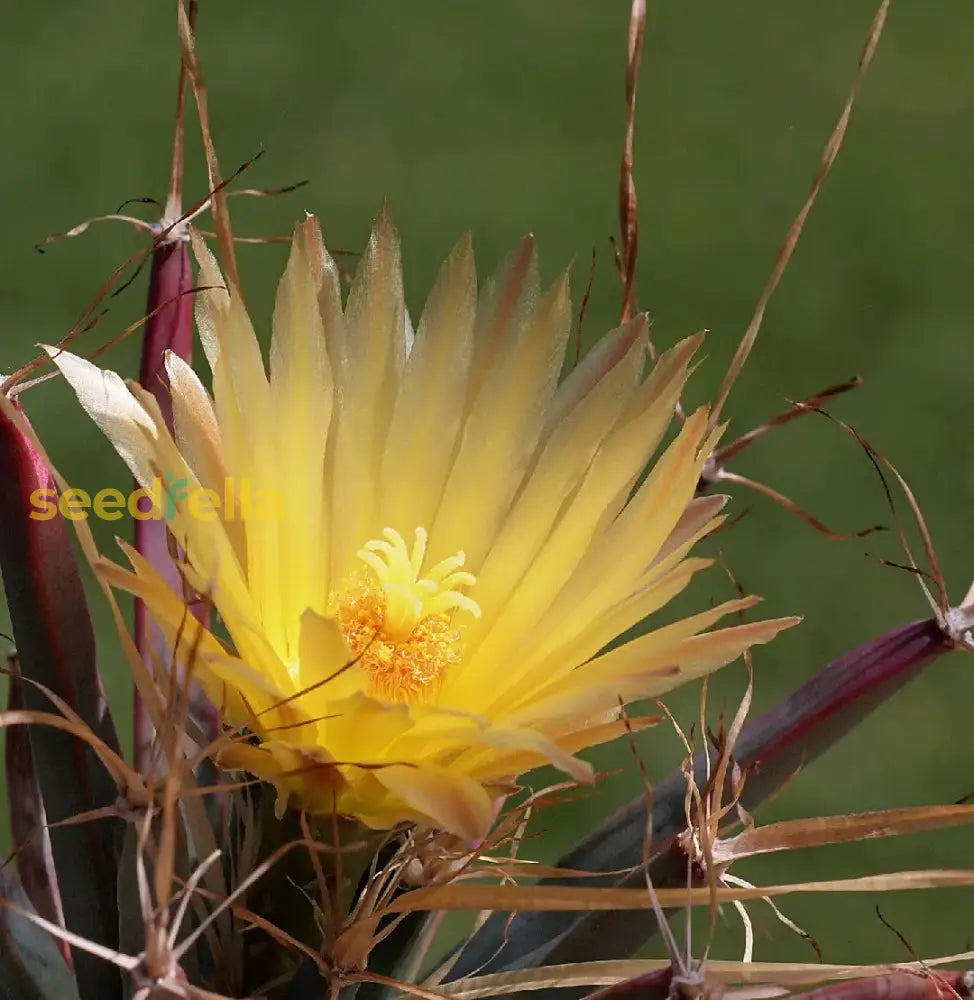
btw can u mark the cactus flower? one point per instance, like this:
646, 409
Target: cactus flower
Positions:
421, 549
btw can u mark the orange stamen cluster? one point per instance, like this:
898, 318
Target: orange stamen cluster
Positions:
398, 623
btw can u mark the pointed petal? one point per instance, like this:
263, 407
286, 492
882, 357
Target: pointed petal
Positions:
360, 728
429, 408
241, 394
618, 557
604, 732
197, 436
368, 357
502, 432
605, 355
626, 614
326, 664
522, 750
452, 801
595, 581
662, 582
302, 388
564, 461
258, 676
108, 402
507, 301
195, 427
644, 668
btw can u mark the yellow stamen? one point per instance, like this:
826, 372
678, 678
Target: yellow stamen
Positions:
400, 623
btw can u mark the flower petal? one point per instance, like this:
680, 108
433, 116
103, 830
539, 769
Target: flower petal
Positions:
368, 354
302, 389
564, 461
430, 404
107, 400
451, 800
502, 431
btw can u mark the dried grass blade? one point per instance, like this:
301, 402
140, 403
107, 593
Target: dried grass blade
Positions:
628, 207
821, 830
829, 155
221, 216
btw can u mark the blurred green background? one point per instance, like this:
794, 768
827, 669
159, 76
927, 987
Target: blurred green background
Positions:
508, 117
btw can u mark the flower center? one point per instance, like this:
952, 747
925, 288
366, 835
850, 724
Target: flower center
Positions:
398, 620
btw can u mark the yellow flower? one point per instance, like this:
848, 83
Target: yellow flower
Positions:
425, 611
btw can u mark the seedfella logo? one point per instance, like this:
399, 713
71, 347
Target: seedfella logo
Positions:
162, 500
